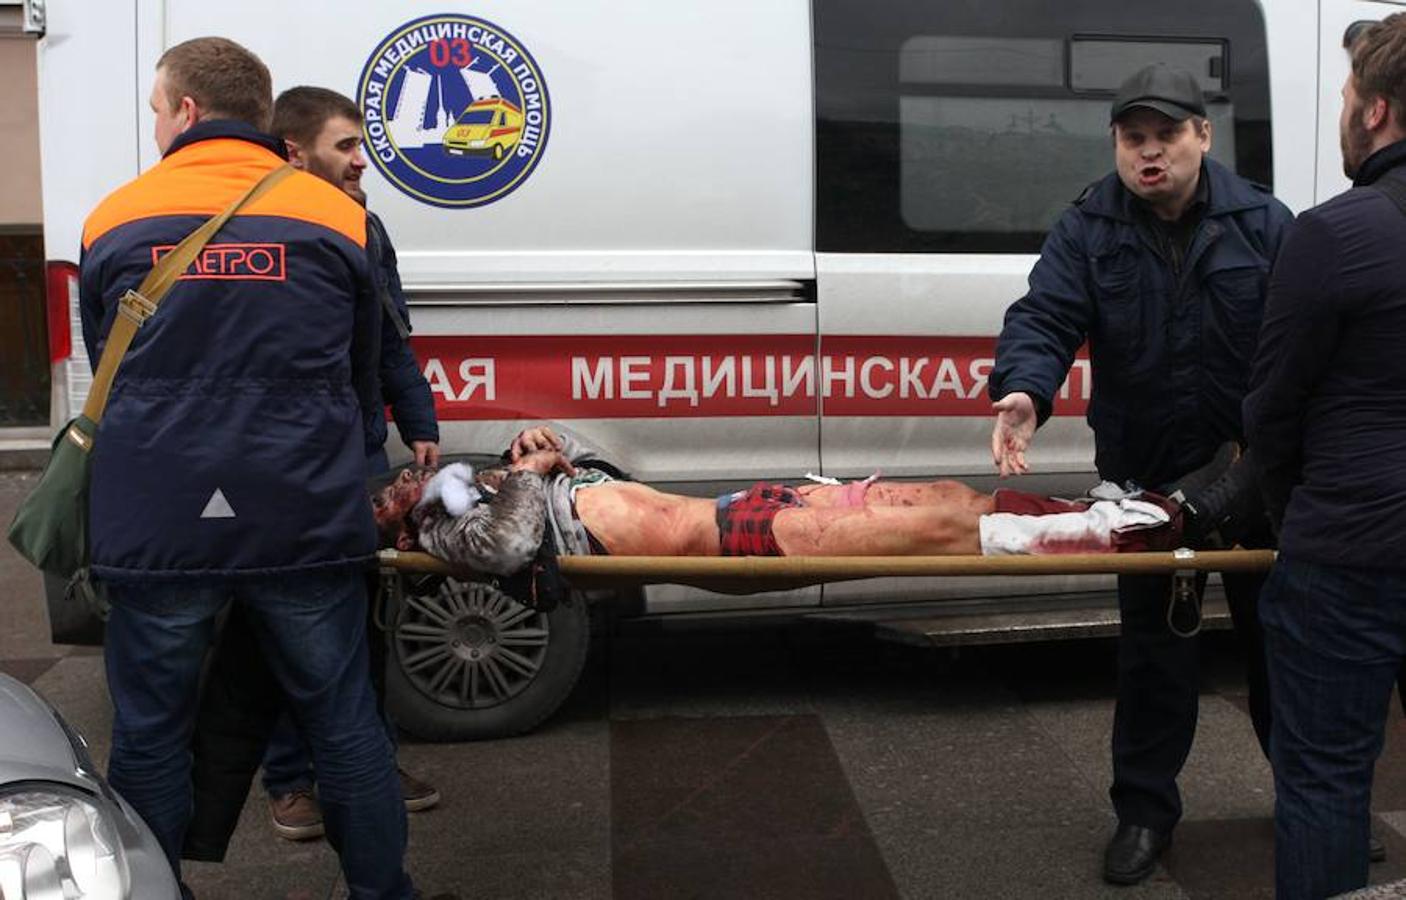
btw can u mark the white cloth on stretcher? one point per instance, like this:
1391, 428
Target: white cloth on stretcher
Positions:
1089, 531
453, 488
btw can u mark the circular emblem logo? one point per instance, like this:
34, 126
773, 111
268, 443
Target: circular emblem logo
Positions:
456, 110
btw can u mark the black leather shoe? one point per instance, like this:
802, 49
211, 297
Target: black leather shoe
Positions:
1132, 853
1376, 850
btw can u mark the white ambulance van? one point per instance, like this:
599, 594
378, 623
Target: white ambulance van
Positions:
722, 241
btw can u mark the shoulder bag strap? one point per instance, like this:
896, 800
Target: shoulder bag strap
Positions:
1394, 188
137, 306
375, 249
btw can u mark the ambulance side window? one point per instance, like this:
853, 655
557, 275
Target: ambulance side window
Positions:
963, 127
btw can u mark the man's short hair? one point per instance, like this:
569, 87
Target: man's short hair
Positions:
1379, 63
300, 112
225, 80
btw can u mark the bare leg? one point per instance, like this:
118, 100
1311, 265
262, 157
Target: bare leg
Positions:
898, 519
632, 519
898, 493
945, 530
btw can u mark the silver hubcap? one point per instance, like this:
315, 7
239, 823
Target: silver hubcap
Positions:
470, 645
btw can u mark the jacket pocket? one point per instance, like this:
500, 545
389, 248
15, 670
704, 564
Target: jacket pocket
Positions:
1119, 331
1236, 307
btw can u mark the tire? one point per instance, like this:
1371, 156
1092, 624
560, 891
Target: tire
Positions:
451, 677
498, 151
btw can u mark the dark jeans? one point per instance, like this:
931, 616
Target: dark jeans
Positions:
287, 762
1154, 721
1336, 638
313, 627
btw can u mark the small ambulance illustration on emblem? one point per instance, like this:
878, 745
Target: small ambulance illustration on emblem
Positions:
456, 110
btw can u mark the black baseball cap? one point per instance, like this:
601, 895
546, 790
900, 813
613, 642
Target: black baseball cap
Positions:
1172, 92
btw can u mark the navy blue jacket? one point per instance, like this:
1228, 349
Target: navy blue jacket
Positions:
1326, 412
1170, 356
233, 442
403, 385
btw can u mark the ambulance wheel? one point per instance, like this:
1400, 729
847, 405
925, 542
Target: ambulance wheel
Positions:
467, 662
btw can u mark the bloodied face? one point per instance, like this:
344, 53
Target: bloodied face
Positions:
391, 506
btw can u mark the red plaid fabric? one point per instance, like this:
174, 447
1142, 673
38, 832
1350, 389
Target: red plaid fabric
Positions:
744, 519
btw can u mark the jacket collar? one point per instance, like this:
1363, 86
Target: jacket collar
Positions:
1228, 194
227, 128
1379, 163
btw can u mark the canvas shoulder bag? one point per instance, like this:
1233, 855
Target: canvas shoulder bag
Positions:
51, 527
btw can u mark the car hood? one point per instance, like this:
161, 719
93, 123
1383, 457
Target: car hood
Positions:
37, 746
32, 742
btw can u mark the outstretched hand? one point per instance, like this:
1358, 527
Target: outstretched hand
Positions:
1015, 426
544, 462
531, 440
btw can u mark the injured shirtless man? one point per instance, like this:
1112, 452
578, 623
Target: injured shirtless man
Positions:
494, 520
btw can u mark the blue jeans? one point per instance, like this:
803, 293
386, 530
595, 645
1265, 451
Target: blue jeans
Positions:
1335, 638
287, 762
313, 627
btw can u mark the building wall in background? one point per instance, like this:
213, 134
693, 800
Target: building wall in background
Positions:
19, 124
24, 354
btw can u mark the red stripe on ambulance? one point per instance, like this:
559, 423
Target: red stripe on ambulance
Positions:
667, 376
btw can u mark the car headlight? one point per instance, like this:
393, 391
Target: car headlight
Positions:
57, 843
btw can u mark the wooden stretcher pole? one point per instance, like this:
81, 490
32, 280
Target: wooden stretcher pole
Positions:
754, 574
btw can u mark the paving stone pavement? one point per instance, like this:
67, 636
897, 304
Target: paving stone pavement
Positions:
777, 764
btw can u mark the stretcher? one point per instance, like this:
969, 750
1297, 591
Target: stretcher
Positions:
456, 632
756, 574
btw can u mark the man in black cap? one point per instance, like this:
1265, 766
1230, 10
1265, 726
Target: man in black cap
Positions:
1160, 267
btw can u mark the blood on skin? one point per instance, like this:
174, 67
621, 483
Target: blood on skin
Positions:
630, 518
900, 493
1088, 542
897, 518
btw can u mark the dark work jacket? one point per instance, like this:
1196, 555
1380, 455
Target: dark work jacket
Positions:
403, 385
1326, 412
254, 378
1170, 354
